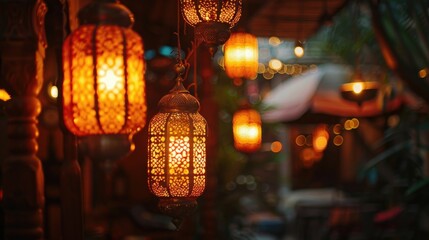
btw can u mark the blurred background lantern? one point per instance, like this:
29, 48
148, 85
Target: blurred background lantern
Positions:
241, 56
247, 131
177, 152
298, 50
103, 88
212, 19
320, 138
359, 90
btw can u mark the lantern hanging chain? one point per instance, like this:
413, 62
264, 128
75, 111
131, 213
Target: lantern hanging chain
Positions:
184, 64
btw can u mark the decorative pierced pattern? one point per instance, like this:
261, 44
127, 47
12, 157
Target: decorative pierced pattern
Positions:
241, 56
222, 11
246, 124
177, 154
103, 88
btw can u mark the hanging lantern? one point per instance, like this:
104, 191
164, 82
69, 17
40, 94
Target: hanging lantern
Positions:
246, 128
103, 88
298, 50
177, 152
359, 90
241, 56
212, 19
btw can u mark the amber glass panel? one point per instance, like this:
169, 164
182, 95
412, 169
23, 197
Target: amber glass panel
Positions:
241, 56
247, 131
103, 88
177, 154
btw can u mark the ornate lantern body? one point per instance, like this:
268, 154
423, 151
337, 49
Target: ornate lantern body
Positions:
103, 87
247, 131
212, 19
241, 55
177, 153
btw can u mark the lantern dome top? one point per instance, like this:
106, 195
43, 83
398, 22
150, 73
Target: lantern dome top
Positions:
179, 100
106, 12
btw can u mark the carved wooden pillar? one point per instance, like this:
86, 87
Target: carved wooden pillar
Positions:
22, 45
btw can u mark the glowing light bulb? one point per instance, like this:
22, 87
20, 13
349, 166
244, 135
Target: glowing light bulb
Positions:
357, 87
299, 51
53, 92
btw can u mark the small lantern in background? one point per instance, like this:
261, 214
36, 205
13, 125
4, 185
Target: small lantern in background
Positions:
358, 90
247, 131
177, 152
241, 56
103, 88
299, 49
212, 19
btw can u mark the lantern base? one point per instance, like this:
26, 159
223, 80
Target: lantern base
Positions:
178, 208
212, 34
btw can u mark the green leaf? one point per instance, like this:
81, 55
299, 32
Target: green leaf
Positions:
386, 154
417, 186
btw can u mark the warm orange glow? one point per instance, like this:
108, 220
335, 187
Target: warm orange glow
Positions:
275, 64
358, 87
299, 51
276, 146
338, 140
103, 88
228, 11
53, 91
320, 138
177, 154
4, 96
274, 41
246, 124
423, 73
241, 56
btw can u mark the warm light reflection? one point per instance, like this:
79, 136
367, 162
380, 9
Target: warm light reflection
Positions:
300, 140
103, 87
4, 96
246, 124
351, 124
275, 64
276, 146
274, 41
423, 73
338, 140
337, 128
241, 56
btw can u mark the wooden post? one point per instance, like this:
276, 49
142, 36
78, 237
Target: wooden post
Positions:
22, 49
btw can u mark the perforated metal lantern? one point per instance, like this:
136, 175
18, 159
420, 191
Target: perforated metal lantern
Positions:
177, 153
247, 130
103, 88
212, 19
241, 56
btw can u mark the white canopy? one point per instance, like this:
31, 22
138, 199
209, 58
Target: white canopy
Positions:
318, 91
